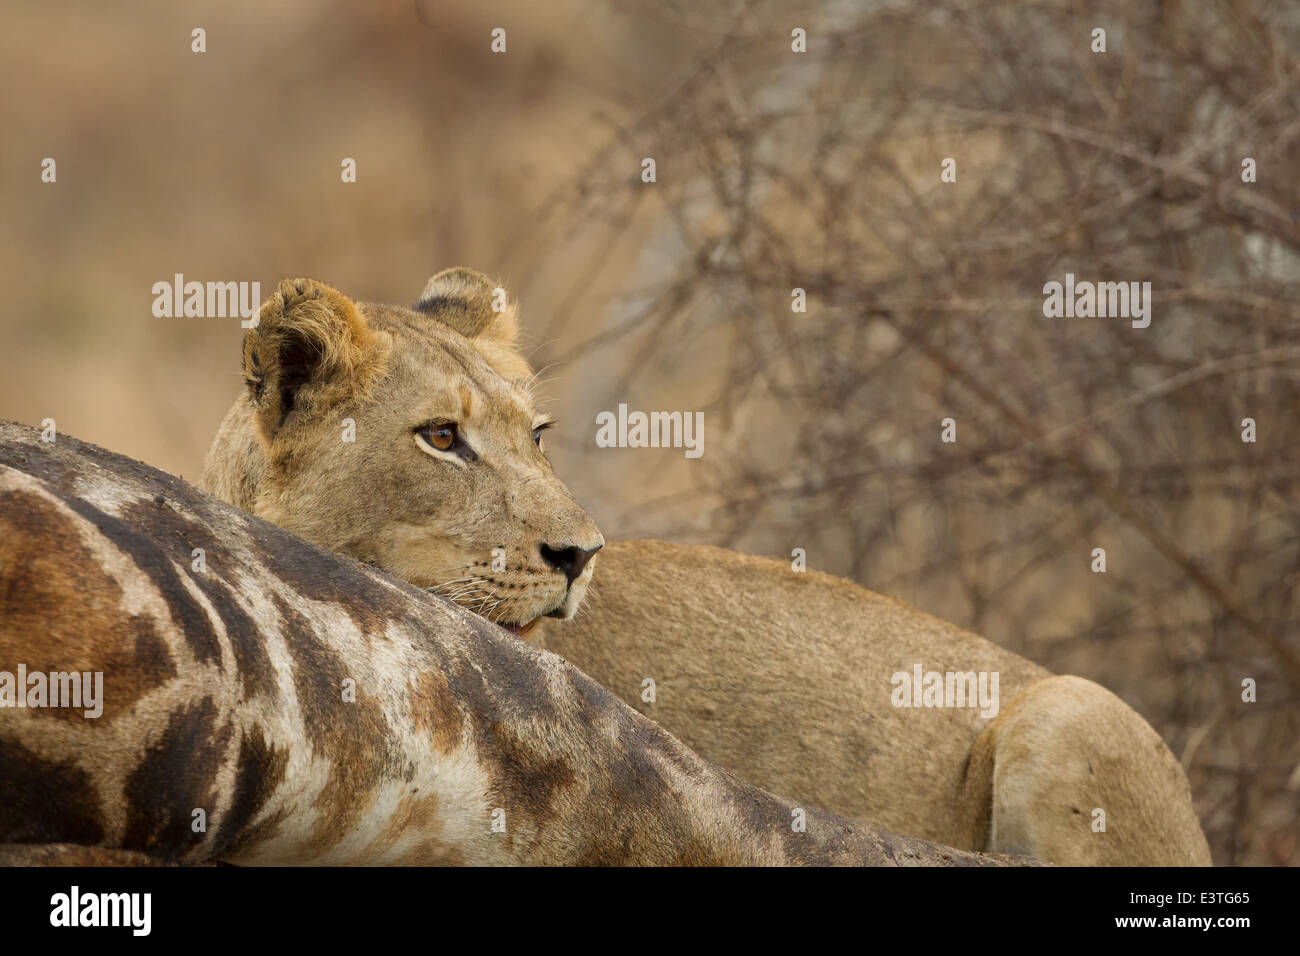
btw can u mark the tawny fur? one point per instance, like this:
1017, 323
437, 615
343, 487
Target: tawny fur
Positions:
782, 677
471, 533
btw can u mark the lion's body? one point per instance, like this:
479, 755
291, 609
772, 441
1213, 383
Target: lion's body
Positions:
780, 676
784, 678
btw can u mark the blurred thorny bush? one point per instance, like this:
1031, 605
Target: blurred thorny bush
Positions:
821, 171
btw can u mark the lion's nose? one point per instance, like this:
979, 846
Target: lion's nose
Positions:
570, 559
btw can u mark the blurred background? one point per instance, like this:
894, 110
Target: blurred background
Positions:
775, 170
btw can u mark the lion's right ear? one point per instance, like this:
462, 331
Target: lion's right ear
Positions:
470, 303
309, 350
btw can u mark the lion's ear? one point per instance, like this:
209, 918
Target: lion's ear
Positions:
472, 304
309, 350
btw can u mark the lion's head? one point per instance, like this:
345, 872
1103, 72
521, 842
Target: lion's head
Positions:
409, 439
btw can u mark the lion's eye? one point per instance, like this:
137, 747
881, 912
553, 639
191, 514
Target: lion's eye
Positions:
443, 437
537, 437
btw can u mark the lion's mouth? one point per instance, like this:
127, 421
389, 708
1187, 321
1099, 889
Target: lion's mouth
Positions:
523, 631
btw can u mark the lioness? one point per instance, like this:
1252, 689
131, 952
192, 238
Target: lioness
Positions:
784, 678
445, 485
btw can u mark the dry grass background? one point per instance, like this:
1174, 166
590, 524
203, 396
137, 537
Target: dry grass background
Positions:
775, 170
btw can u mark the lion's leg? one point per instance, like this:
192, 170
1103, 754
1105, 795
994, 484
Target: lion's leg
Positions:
1070, 773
